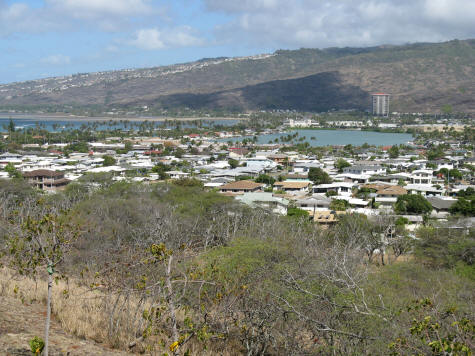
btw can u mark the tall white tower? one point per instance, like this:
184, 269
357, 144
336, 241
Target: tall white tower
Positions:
380, 104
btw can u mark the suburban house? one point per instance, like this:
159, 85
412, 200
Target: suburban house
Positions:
241, 187
292, 187
327, 217
421, 176
262, 163
364, 169
441, 206
265, 201
388, 195
296, 178
12, 158
341, 188
352, 177
314, 203
178, 174
423, 189
279, 158
238, 153
46, 179
304, 166
392, 178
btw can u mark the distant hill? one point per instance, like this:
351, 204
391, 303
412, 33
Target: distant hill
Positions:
420, 77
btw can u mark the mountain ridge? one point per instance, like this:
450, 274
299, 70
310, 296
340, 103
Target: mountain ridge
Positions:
420, 77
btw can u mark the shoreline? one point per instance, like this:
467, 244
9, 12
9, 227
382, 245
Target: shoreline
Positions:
63, 117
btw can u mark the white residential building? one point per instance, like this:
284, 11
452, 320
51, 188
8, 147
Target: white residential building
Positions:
341, 188
422, 176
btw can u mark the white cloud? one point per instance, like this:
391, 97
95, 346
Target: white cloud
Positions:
451, 11
72, 15
148, 39
56, 59
155, 39
94, 8
322, 23
19, 17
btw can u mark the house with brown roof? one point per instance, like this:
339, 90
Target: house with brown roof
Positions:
241, 187
327, 217
279, 158
237, 152
388, 195
292, 187
46, 179
391, 191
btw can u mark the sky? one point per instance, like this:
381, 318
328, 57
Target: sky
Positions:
44, 38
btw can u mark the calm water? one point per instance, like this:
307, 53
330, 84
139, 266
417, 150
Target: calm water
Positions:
58, 124
336, 137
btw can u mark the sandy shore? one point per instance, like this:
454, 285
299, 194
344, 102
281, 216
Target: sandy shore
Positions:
62, 117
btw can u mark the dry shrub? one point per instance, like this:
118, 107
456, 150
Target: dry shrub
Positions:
112, 319
89, 314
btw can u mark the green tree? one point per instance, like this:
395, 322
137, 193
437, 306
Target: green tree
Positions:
296, 212
11, 126
455, 174
12, 171
435, 332
466, 193
319, 176
340, 164
444, 247
108, 161
412, 204
162, 170
77, 147
233, 163
450, 174
266, 179
128, 146
339, 205
435, 153
179, 152
393, 152
188, 182
464, 206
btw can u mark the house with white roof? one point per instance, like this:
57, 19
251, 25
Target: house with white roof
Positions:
424, 189
341, 188
365, 169
303, 166
178, 174
422, 176
314, 203
355, 178
265, 201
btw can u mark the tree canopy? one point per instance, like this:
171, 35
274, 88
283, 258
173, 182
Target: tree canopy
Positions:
318, 176
412, 204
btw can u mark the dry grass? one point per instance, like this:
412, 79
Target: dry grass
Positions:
83, 312
114, 320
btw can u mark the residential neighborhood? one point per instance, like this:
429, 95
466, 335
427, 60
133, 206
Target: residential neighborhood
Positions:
339, 179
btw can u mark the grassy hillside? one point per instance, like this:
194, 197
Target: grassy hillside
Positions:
421, 77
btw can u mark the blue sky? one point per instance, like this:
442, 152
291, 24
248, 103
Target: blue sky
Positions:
42, 38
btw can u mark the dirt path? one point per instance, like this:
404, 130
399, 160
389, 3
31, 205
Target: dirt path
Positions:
19, 323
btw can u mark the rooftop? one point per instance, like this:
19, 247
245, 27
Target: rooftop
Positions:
291, 185
241, 185
43, 173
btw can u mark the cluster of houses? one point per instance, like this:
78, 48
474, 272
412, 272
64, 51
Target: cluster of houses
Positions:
364, 185
369, 185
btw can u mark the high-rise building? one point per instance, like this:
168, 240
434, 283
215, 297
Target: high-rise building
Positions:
380, 104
